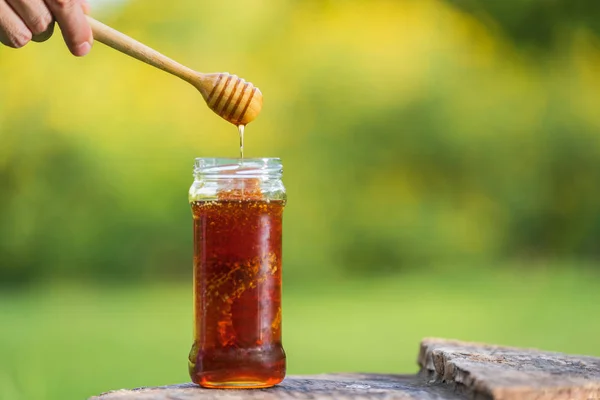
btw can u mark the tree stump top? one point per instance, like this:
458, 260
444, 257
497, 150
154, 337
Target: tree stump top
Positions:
450, 370
498, 372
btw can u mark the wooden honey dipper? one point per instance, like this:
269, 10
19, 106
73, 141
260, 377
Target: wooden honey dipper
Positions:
231, 97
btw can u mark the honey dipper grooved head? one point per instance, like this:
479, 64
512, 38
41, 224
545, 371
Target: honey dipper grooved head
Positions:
231, 97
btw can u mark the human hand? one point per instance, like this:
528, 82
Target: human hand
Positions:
24, 20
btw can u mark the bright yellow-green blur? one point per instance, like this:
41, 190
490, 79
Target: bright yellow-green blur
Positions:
442, 173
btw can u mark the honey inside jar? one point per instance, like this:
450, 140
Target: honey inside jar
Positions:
237, 289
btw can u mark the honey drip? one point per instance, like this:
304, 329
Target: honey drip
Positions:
241, 130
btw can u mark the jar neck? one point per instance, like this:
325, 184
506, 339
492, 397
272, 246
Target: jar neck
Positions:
235, 168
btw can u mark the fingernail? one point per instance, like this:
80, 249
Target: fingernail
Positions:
83, 49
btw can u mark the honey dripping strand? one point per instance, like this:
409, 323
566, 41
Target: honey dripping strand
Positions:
241, 130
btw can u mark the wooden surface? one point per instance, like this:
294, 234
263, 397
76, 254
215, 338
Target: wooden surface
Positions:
450, 370
495, 372
337, 386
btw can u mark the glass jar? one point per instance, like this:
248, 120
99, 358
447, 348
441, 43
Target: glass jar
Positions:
237, 206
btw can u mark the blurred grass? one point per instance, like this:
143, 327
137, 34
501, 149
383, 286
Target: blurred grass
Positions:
71, 341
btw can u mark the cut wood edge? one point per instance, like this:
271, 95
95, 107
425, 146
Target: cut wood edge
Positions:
497, 372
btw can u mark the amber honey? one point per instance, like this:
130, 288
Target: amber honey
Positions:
237, 290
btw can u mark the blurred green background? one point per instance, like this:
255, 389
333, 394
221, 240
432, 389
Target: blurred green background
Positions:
442, 161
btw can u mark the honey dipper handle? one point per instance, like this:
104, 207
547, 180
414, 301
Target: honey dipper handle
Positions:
123, 43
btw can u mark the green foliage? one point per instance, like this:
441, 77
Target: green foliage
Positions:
541, 24
412, 135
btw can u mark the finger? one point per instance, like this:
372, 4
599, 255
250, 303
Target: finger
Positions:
86, 7
73, 24
13, 31
42, 37
34, 13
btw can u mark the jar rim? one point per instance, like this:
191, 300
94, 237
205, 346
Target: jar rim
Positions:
236, 160
223, 167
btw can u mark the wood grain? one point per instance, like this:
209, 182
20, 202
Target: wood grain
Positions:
335, 386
